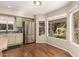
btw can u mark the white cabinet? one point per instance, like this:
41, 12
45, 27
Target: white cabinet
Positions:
11, 39
19, 38
18, 22
15, 39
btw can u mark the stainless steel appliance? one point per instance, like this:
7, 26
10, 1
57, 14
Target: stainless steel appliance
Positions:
28, 31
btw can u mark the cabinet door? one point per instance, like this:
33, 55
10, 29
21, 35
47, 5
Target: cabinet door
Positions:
18, 22
11, 39
19, 38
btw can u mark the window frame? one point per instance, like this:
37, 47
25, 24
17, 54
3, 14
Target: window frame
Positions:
76, 8
64, 15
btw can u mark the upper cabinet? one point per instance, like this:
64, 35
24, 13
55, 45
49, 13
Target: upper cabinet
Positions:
18, 21
7, 23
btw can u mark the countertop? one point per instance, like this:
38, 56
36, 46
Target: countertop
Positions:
5, 32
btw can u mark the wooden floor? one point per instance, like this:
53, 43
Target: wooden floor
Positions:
36, 50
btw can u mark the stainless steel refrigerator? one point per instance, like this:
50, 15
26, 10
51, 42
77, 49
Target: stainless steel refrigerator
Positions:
28, 31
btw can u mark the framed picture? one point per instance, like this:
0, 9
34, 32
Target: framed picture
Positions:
41, 28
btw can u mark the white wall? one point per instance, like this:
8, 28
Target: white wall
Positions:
66, 45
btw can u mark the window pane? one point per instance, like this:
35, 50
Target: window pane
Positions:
76, 27
57, 28
10, 26
2, 26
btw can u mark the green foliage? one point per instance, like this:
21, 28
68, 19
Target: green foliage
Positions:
63, 36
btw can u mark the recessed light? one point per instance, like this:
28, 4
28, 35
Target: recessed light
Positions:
37, 3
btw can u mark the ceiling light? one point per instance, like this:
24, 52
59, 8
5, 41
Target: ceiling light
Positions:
37, 3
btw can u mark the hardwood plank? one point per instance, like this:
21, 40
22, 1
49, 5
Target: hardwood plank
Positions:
36, 50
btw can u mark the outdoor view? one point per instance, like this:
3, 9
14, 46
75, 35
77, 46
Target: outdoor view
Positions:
57, 28
76, 27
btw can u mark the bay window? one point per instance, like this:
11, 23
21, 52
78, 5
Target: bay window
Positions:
76, 27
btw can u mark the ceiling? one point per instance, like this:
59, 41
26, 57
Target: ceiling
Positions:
28, 8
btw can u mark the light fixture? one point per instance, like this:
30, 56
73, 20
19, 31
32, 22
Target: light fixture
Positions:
37, 3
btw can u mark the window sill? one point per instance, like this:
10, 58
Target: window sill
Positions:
57, 38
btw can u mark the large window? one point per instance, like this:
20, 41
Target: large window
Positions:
76, 27
6, 27
57, 28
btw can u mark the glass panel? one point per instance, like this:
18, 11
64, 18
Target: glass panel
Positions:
3, 27
76, 27
57, 28
10, 26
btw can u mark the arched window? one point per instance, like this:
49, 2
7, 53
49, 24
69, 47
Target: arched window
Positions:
76, 27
